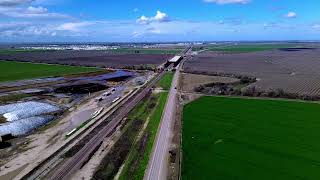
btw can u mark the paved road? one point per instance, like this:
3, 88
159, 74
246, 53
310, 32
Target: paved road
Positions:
158, 163
76, 161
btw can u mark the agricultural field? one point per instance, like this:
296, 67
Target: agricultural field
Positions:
15, 51
234, 138
99, 58
146, 51
243, 48
12, 71
295, 71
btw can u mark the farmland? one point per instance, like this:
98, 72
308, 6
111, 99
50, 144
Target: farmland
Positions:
99, 58
15, 51
293, 71
243, 48
233, 138
145, 51
12, 71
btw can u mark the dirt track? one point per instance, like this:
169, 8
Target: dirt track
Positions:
292, 71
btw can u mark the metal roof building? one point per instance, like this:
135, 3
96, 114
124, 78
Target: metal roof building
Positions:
175, 59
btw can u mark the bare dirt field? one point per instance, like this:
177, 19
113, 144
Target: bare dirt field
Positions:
190, 81
88, 58
293, 71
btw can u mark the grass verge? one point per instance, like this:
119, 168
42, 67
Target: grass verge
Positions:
150, 108
244, 139
165, 82
138, 157
12, 71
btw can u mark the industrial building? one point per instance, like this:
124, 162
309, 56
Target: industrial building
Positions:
175, 59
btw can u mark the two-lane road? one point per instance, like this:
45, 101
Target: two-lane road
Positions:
158, 163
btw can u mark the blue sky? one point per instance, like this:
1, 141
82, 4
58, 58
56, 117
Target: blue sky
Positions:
158, 20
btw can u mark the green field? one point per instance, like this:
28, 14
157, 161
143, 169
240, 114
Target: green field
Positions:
165, 82
248, 48
12, 71
250, 139
15, 51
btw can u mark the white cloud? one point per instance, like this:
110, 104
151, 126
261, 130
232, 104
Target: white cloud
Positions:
36, 10
159, 17
153, 30
14, 2
13, 25
131, 31
74, 26
30, 12
221, 2
291, 15
143, 20
21, 29
43, 29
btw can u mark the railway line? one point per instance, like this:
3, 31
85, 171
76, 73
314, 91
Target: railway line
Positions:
50, 162
46, 166
82, 156
63, 169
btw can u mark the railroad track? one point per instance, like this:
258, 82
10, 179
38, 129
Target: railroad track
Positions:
46, 165
43, 168
83, 155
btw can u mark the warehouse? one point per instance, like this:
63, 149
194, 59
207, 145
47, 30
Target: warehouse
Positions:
175, 59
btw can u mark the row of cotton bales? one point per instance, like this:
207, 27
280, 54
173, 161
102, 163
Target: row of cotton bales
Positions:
26, 116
